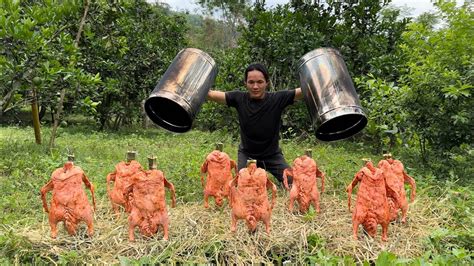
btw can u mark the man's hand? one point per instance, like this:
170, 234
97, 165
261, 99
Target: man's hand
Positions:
298, 94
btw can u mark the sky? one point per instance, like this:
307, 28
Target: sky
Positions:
414, 7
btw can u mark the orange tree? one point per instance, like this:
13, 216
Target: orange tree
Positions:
38, 54
438, 72
130, 44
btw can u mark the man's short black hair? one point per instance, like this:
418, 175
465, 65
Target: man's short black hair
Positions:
258, 67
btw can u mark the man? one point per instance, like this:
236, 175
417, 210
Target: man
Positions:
259, 114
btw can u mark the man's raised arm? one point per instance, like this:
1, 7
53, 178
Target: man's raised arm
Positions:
216, 96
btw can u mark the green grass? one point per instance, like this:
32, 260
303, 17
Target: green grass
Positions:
25, 167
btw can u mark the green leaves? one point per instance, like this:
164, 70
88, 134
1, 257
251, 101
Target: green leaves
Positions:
386, 118
38, 43
130, 45
89, 106
386, 258
127, 43
439, 77
454, 92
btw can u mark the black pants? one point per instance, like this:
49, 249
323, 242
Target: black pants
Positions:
274, 164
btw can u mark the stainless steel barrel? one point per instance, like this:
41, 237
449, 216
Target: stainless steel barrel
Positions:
176, 100
330, 96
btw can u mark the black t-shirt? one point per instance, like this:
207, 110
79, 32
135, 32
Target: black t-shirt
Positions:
260, 120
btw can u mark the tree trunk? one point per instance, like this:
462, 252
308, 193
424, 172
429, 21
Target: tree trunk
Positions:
57, 118
36, 119
145, 119
63, 91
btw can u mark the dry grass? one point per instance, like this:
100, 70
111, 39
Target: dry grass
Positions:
203, 235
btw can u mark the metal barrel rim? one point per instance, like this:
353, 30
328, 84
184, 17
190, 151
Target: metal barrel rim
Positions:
172, 102
330, 95
178, 96
315, 53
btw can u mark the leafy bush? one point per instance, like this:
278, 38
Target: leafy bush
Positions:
386, 117
439, 76
131, 44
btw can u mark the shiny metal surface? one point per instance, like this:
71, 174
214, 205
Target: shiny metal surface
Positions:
330, 96
176, 100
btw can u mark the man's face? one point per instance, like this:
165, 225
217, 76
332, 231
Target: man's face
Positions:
256, 84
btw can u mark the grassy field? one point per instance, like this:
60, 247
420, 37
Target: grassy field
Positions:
439, 230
